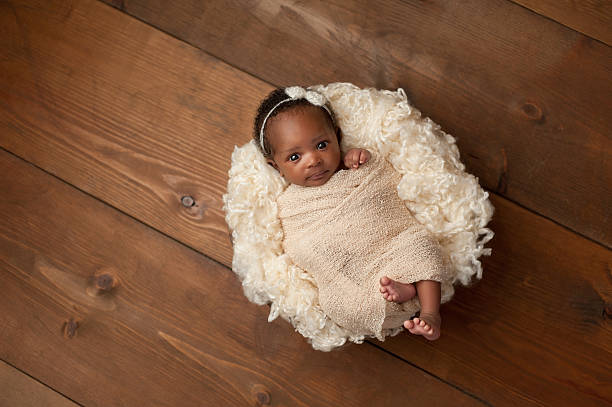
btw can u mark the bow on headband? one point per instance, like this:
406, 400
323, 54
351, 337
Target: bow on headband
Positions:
294, 93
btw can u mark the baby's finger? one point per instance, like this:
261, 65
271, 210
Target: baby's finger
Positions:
348, 160
362, 156
355, 158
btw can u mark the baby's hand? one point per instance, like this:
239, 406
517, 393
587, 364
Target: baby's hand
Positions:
355, 157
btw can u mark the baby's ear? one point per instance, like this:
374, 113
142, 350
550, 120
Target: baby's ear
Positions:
272, 163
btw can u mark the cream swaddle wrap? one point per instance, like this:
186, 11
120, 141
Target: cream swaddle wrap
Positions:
350, 232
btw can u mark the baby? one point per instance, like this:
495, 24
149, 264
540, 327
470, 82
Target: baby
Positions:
297, 135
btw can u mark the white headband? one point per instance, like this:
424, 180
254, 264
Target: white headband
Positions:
294, 93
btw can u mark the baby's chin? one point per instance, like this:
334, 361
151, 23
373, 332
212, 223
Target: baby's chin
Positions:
316, 183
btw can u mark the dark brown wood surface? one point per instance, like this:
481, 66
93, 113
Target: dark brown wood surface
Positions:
126, 113
139, 119
538, 322
592, 18
111, 312
527, 98
19, 389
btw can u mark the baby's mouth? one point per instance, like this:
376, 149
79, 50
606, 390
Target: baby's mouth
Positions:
317, 175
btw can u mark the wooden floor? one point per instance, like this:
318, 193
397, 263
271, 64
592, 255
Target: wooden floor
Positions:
113, 293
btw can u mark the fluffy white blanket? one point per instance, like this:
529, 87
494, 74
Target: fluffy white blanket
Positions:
444, 198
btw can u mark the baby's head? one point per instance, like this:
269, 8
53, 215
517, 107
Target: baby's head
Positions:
298, 138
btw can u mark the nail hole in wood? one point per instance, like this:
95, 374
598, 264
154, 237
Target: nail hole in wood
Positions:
263, 398
187, 201
262, 395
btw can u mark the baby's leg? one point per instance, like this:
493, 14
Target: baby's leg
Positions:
396, 291
428, 322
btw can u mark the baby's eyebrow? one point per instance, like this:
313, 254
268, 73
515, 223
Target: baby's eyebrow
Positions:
288, 150
322, 136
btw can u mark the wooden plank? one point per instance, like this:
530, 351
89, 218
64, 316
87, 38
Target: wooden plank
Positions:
592, 18
18, 389
539, 320
121, 175
140, 122
110, 312
527, 98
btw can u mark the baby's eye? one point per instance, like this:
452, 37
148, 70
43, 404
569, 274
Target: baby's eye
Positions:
294, 157
322, 145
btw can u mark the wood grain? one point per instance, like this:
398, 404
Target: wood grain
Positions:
538, 321
110, 312
18, 389
527, 98
590, 17
124, 112
91, 136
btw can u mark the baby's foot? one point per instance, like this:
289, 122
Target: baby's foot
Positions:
396, 291
427, 325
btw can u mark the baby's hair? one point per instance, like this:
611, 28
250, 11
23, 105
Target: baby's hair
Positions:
273, 98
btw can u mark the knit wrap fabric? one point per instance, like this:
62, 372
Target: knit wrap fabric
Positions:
350, 232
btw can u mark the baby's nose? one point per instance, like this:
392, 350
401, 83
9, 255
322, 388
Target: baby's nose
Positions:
314, 160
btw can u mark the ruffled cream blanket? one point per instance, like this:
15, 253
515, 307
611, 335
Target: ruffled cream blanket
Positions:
351, 231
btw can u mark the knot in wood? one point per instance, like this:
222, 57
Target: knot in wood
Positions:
262, 395
105, 282
187, 201
263, 398
532, 111
70, 328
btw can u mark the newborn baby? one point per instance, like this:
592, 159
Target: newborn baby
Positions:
345, 224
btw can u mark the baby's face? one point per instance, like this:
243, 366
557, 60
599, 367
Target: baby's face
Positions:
304, 146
